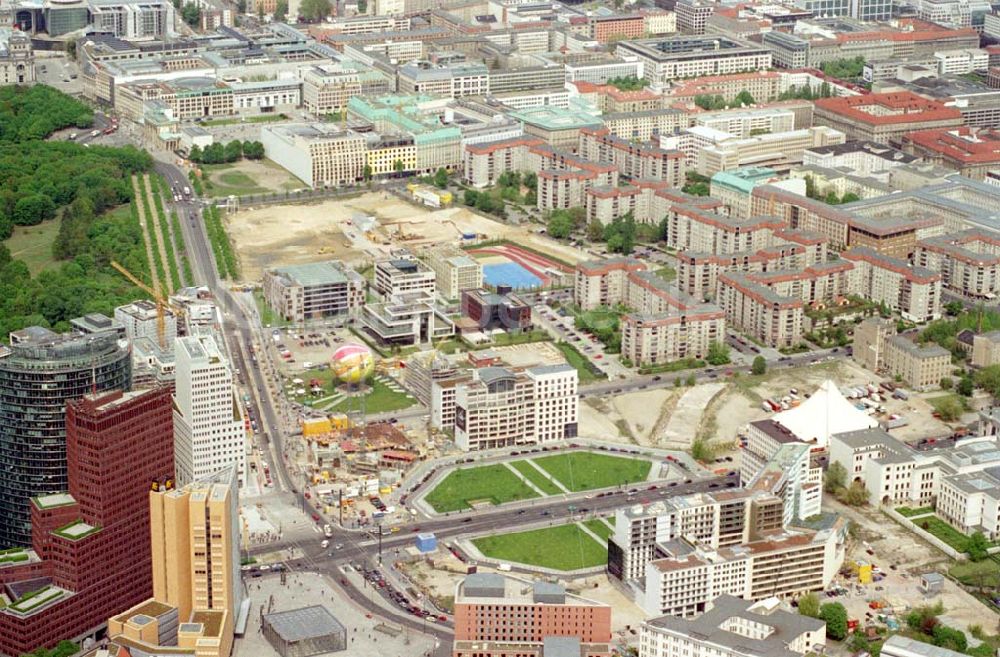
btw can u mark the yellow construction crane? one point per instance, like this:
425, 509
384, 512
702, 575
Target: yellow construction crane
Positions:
161, 303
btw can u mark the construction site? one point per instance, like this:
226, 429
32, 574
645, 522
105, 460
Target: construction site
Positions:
359, 229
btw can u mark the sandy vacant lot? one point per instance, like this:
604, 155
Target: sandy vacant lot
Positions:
309, 232
740, 403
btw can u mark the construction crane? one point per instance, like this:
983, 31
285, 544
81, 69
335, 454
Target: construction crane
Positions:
161, 303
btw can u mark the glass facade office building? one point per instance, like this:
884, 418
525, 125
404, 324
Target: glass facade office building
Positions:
38, 373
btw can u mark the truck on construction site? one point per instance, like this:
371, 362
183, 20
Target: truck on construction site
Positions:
895, 422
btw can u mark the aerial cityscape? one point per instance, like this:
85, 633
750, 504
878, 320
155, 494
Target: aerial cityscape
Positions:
499, 328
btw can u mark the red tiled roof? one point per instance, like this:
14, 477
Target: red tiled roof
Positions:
961, 144
911, 108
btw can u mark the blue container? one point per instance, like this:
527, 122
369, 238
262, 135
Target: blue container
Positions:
426, 542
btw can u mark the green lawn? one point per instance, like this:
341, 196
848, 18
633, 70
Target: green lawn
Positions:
982, 574
579, 361
233, 179
263, 118
33, 245
942, 530
381, 399
565, 547
908, 512
599, 527
503, 339
579, 471
532, 474
268, 318
487, 482
667, 273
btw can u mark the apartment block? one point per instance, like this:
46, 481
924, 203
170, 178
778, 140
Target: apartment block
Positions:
209, 430
501, 407
666, 323
732, 627
785, 563
879, 349
686, 331
986, 349
501, 616
714, 519
920, 367
454, 271
698, 272
404, 275
969, 261
312, 291
646, 125
912, 291
600, 283
759, 311
633, 160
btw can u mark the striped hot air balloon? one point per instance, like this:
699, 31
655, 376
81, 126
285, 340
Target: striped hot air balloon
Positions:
353, 363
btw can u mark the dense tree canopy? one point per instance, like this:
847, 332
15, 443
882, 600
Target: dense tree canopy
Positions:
63, 181
38, 111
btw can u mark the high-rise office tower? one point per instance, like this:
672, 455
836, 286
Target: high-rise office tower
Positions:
38, 373
91, 544
209, 431
197, 593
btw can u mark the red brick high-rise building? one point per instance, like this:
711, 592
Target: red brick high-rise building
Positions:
90, 556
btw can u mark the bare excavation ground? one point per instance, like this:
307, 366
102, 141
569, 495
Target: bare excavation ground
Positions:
296, 233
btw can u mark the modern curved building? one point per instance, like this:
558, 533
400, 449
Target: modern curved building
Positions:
39, 372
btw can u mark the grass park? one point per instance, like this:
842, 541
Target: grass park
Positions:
464, 487
943, 531
33, 244
577, 471
537, 478
563, 547
247, 178
600, 527
580, 471
585, 371
381, 399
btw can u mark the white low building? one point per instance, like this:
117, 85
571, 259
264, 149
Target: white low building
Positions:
962, 481
732, 627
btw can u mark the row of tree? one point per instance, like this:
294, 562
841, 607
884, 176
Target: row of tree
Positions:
234, 151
